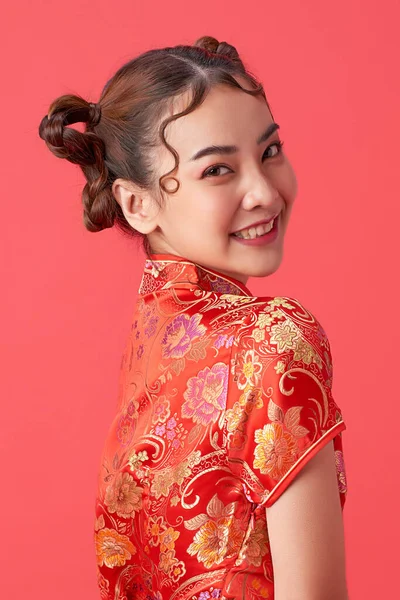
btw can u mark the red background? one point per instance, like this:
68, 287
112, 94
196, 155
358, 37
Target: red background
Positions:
331, 75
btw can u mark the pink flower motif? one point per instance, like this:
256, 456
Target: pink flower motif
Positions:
171, 434
176, 444
205, 396
180, 334
224, 340
171, 423
220, 341
160, 429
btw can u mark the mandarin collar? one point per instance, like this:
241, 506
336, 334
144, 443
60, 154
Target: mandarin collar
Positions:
162, 271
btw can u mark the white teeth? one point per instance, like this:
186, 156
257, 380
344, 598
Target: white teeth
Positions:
253, 232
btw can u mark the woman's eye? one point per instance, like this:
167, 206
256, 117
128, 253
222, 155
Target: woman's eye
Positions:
214, 171
278, 149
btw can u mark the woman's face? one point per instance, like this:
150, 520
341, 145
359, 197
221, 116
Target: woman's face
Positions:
223, 191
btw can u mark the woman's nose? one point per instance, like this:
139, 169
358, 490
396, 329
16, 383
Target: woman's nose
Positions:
261, 193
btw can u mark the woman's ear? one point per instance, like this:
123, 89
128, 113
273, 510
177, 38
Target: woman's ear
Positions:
138, 205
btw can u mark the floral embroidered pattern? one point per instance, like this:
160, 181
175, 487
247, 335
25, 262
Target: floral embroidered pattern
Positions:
123, 496
219, 536
180, 334
112, 548
276, 450
223, 398
205, 396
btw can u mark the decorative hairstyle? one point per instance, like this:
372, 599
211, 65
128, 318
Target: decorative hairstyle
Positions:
126, 124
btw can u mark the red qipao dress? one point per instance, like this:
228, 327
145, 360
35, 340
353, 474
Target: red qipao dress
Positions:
223, 398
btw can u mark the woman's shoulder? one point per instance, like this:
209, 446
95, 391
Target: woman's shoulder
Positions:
279, 316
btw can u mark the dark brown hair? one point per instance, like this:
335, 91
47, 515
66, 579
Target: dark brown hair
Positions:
121, 129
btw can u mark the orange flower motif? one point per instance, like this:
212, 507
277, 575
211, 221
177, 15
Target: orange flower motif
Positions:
112, 548
167, 560
123, 496
167, 539
177, 571
216, 541
155, 527
276, 450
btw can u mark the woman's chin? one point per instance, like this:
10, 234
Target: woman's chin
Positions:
263, 267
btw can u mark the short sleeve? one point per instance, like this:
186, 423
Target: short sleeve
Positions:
281, 410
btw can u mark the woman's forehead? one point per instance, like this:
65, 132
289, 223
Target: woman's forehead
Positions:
226, 112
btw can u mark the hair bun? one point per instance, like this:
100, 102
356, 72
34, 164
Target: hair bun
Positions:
215, 47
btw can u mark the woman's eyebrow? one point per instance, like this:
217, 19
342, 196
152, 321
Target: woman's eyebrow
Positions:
232, 149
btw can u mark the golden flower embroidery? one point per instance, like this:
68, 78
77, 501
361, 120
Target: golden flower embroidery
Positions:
162, 483
248, 369
280, 367
258, 334
219, 536
112, 548
280, 301
216, 541
136, 460
304, 352
284, 335
264, 319
181, 471
276, 450
124, 496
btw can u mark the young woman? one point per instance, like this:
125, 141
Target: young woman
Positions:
222, 474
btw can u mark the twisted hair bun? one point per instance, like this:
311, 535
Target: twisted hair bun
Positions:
213, 46
85, 149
